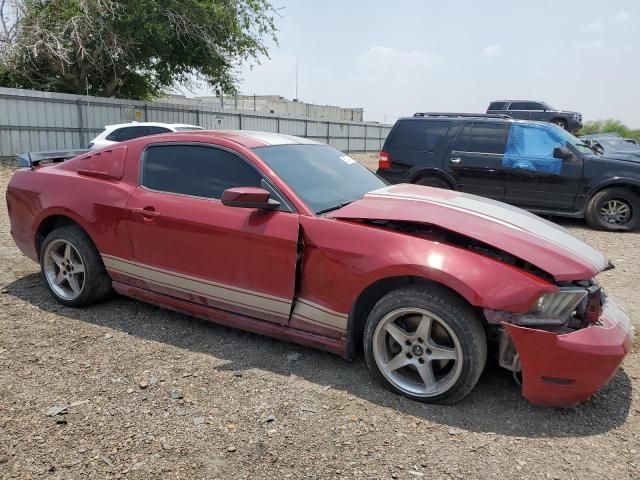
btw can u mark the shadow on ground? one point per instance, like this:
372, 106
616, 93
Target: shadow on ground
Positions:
494, 406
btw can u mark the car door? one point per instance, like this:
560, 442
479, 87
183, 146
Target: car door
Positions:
535, 179
519, 110
476, 159
190, 246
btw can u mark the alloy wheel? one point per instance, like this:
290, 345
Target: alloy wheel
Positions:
64, 269
615, 212
417, 352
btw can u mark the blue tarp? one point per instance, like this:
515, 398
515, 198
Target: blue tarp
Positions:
530, 147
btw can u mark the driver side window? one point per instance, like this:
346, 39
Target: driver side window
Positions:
195, 170
530, 147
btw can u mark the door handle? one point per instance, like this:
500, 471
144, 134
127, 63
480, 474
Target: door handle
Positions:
455, 160
146, 212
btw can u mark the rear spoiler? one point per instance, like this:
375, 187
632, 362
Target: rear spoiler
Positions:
31, 159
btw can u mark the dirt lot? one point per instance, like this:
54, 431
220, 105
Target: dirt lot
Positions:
155, 394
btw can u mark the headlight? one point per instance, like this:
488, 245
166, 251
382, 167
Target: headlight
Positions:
560, 304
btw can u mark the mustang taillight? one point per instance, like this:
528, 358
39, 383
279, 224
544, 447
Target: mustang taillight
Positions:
594, 306
384, 160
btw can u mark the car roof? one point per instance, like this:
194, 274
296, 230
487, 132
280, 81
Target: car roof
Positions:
147, 124
515, 100
249, 138
460, 117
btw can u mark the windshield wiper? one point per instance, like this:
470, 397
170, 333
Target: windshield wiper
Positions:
340, 205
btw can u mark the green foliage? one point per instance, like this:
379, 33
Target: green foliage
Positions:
609, 126
134, 49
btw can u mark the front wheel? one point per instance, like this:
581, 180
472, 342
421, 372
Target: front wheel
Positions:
425, 343
615, 209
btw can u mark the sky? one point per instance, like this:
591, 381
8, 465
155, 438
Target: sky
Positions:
394, 58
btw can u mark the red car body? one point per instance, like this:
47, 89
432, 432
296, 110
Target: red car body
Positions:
312, 278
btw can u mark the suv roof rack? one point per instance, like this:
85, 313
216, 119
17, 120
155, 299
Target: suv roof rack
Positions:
471, 115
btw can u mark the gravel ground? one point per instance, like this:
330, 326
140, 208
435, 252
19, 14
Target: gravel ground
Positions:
154, 394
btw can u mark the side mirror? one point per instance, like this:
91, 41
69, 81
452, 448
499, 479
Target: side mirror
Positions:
249, 197
562, 153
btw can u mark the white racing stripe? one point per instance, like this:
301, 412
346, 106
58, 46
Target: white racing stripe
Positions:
304, 310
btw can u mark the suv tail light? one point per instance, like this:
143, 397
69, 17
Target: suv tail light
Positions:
384, 160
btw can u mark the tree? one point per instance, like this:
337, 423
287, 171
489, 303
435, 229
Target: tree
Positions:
129, 49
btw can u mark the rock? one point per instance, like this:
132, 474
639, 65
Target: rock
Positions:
269, 419
186, 375
129, 390
107, 336
175, 395
143, 384
54, 410
4, 290
416, 473
3, 459
199, 420
293, 357
237, 374
231, 449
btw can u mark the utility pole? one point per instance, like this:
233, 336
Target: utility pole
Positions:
297, 59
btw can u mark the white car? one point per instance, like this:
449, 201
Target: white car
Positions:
128, 131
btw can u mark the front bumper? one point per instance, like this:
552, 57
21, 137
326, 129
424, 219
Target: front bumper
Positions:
561, 370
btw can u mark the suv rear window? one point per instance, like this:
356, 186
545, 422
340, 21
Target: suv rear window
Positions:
419, 135
482, 137
497, 105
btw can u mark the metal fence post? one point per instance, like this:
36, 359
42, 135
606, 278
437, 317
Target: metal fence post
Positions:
348, 138
80, 123
306, 128
198, 117
365, 138
146, 112
278, 124
239, 121
328, 132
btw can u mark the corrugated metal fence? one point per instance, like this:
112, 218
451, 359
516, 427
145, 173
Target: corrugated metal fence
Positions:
38, 121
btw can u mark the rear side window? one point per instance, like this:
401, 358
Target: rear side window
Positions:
520, 106
482, 137
153, 130
497, 105
127, 133
419, 135
196, 170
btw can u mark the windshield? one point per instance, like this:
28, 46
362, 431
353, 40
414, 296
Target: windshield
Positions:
576, 143
323, 177
187, 129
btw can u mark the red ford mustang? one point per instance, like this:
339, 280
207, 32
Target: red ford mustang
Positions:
290, 238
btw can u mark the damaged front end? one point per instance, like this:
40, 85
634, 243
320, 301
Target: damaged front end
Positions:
569, 345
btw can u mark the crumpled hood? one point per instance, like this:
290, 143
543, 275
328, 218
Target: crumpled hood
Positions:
513, 230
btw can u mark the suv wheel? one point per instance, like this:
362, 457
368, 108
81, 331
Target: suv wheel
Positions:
433, 182
560, 122
425, 343
614, 209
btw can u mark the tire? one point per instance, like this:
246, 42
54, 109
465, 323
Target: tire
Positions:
433, 182
402, 360
561, 123
614, 209
72, 268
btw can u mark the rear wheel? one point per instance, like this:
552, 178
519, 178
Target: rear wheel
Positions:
614, 209
425, 343
72, 268
560, 122
433, 182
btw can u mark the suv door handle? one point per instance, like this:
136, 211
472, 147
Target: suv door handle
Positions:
455, 160
146, 212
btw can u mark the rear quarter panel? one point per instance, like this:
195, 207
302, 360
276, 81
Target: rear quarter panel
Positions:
96, 204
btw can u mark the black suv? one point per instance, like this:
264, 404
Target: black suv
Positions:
534, 165
528, 110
